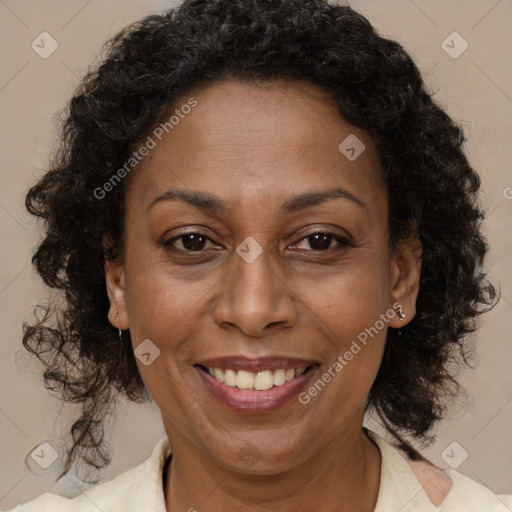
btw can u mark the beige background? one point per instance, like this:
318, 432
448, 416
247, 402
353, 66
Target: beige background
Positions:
475, 88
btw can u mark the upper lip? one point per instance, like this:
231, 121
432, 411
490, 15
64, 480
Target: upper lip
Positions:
257, 364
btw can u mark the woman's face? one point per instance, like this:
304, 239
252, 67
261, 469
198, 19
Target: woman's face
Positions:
236, 274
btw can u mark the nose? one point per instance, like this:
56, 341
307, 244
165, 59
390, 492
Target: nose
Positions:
256, 297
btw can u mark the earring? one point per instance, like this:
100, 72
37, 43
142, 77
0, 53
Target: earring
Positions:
400, 312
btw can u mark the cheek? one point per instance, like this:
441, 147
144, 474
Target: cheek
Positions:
163, 310
351, 298
352, 310
158, 301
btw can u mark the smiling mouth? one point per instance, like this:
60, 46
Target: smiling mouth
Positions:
255, 381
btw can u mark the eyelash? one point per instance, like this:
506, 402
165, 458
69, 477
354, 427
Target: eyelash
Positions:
343, 242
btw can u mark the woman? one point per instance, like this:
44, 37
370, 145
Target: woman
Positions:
261, 221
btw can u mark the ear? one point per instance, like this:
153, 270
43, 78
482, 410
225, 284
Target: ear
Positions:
115, 279
405, 279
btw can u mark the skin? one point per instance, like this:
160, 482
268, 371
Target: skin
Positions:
253, 147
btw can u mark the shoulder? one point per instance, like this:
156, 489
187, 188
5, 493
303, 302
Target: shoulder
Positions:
132, 490
413, 485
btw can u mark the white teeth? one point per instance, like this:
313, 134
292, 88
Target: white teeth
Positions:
260, 381
230, 378
245, 380
279, 377
263, 380
219, 375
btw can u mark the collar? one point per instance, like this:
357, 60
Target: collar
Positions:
408, 485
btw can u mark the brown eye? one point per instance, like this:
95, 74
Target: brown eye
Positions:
190, 242
322, 241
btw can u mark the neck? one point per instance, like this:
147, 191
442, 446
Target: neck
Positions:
346, 472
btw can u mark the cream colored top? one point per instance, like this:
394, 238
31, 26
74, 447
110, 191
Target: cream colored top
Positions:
405, 486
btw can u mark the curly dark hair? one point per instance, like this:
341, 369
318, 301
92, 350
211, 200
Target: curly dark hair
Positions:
146, 69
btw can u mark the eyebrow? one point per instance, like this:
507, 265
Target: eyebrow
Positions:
212, 204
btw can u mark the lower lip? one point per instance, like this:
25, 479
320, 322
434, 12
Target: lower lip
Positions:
255, 402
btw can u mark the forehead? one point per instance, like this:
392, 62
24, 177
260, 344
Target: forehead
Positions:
248, 141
